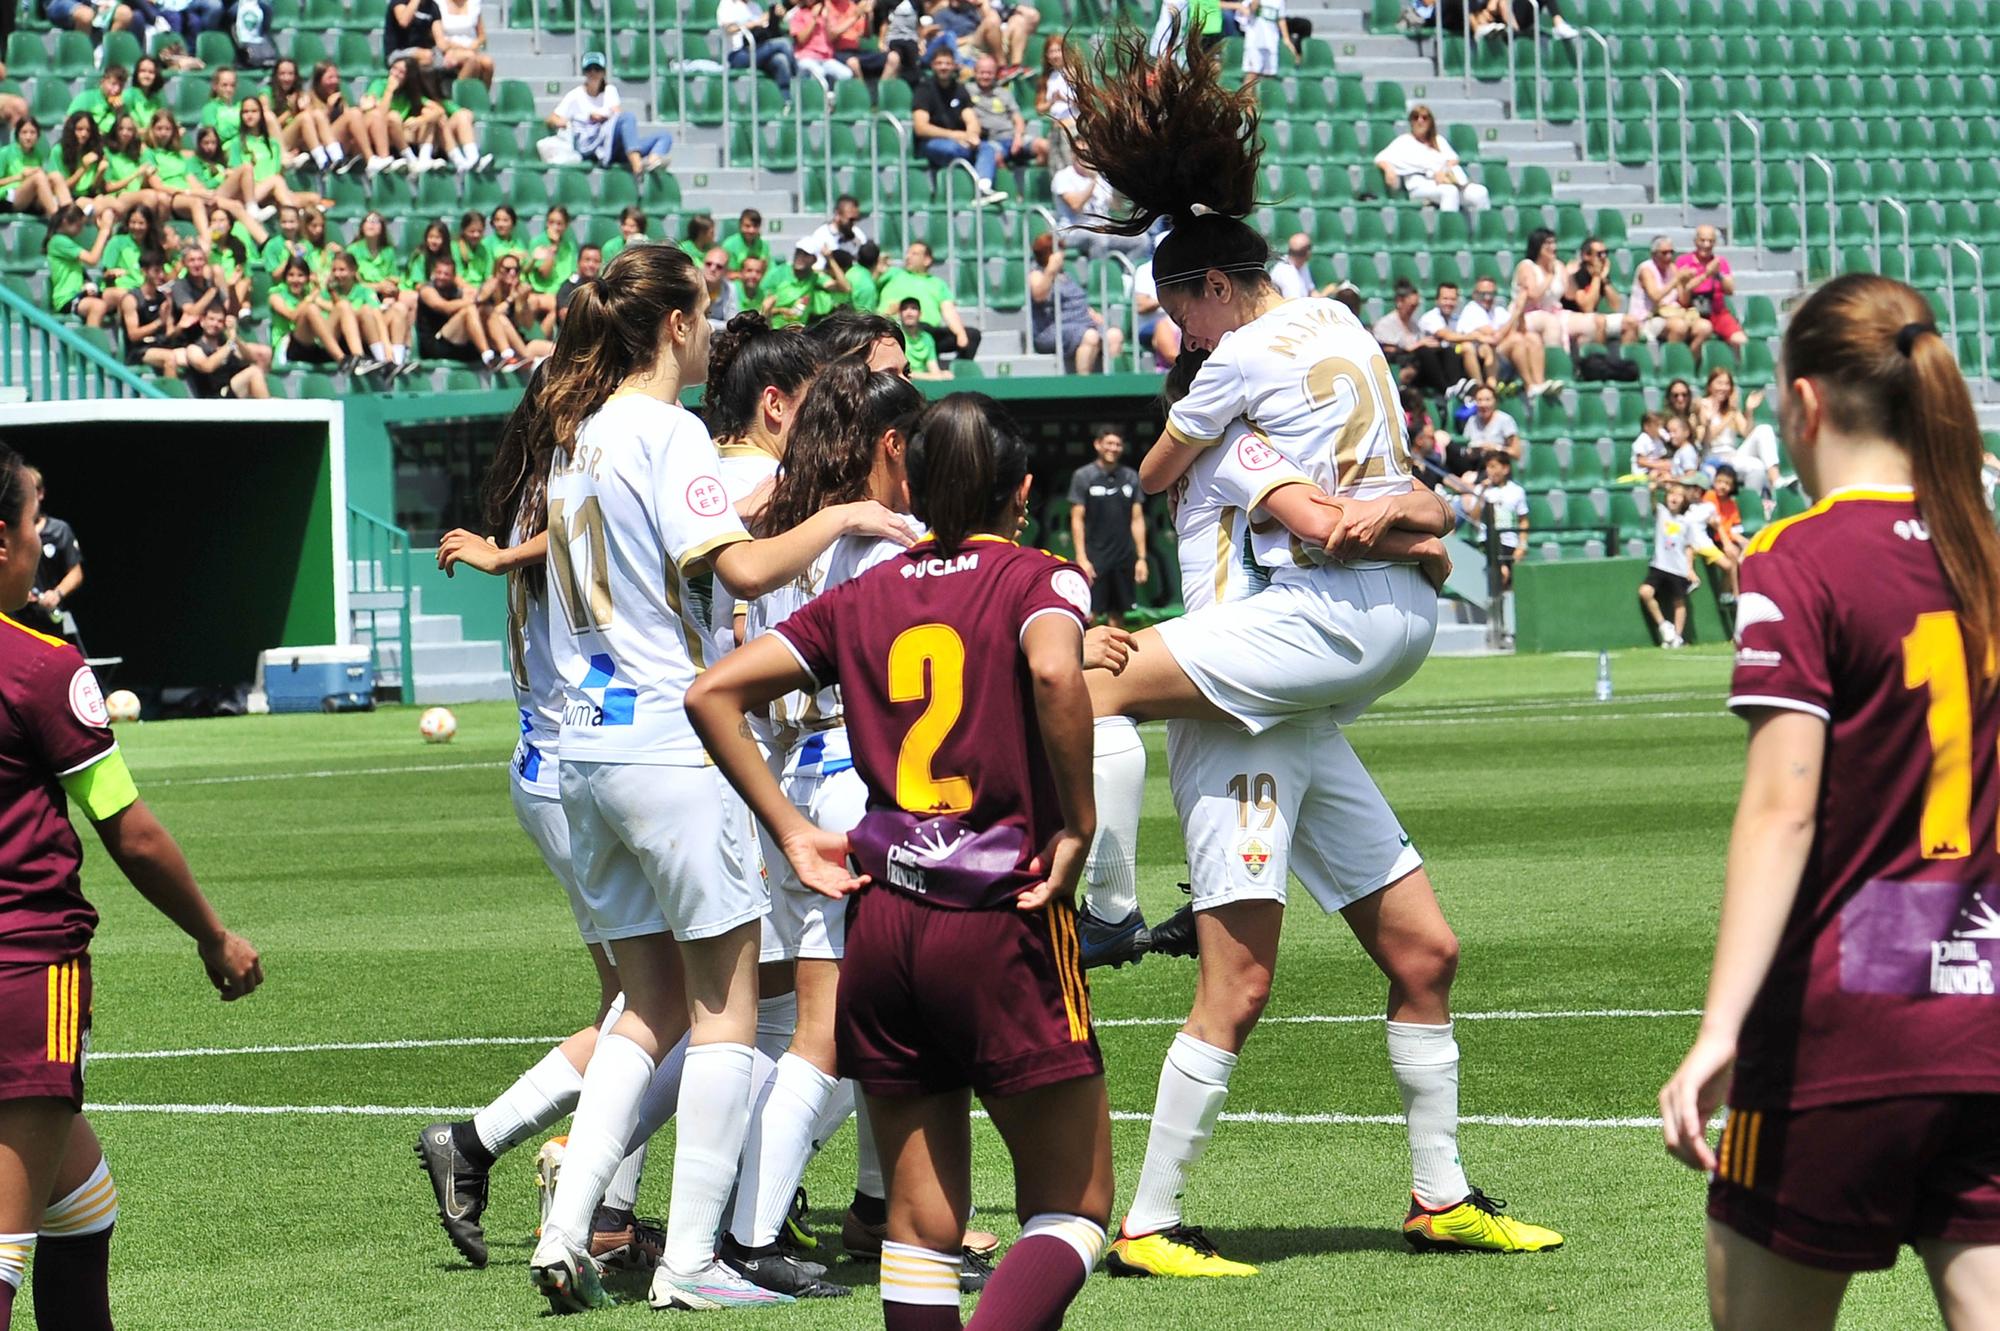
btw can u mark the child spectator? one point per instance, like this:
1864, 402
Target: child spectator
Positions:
1677, 537
1650, 458
1686, 456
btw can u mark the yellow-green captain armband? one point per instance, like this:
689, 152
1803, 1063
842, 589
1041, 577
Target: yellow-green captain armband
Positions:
104, 788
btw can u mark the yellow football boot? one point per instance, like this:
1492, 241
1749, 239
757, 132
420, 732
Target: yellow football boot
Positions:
1474, 1225
1183, 1252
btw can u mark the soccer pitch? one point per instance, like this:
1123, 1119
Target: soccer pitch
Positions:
418, 957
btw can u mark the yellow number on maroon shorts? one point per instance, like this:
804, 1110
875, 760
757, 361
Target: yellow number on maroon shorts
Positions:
928, 662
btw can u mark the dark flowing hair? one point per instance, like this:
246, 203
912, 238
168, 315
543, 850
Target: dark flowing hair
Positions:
747, 357
263, 130
14, 487
851, 332
515, 493
966, 462
614, 327
71, 142
830, 452
1177, 145
1872, 348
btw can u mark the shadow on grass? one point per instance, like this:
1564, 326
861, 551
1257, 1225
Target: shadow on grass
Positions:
1273, 1244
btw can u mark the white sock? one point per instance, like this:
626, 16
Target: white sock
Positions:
486, 356
399, 353
867, 1163
919, 1276
661, 1097
622, 1193
775, 1151
839, 1106
715, 1118
335, 153
425, 153
1118, 780
538, 1098
1425, 1061
777, 1018
318, 156
612, 1087
1194, 1081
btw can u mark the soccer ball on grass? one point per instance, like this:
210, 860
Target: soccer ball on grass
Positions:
437, 726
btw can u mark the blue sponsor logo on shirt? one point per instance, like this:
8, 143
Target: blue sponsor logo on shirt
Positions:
615, 707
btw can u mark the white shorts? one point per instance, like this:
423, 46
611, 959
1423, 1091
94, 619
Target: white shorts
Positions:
1260, 51
802, 923
542, 818
651, 853
1296, 800
1333, 644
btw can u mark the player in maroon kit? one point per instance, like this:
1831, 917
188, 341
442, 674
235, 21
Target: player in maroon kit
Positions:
959, 663
1852, 1014
55, 740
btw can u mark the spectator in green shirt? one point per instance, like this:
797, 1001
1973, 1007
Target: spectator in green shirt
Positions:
933, 295
121, 257
435, 245
802, 293
383, 329
70, 291
503, 234
378, 265
316, 245
283, 247
749, 287
548, 265
25, 180
866, 277
469, 255
747, 242
631, 231
221, 112
919, 346
146, 92
105, 102
700, 237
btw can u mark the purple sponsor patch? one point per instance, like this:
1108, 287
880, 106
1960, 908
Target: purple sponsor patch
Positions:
1918, 940
942, 860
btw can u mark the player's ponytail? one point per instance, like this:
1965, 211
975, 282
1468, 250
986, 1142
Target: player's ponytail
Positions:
614, 326
1177, 144
831, 451
745, 358
967, 461
1872, 349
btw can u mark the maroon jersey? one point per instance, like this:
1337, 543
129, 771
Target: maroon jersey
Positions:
1884, 978
940, 712
52, 723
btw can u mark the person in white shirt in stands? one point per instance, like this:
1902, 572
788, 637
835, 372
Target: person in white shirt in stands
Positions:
460, 36
1156, 330
1677, 537
1292, 275
1421, 164
1499, 499
1083, 196
601, 129
1489, 429
1491, 324
751, 38
843, 233
1439, 322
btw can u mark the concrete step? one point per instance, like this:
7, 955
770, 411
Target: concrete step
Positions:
429, 630
460, 688
1459, 640
445, 658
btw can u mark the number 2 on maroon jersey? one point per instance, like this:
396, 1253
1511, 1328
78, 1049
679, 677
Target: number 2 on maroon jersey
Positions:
927, 662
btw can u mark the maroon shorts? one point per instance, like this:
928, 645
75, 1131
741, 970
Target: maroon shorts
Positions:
44, 1029
1845, 1186
935, 1000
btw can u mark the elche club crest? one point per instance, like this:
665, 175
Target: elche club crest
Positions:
1256, 856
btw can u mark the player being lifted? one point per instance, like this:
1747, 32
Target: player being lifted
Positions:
459, 1157
638, 521
960, 675
55, 746
1267, 678
1851, 1014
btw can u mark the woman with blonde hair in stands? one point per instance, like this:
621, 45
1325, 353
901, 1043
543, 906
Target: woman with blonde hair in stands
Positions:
1421, 163
1849, 1023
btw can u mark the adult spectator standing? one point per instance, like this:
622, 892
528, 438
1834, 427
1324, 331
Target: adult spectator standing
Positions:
1421, 163
1107, 527
1082, 196
57, 577
1417, 356
1000, 120
599, 127
1476, 361
946, 128
1592, 292
753, 35
1660, 300
589, 265
843, 232
1292, 275
812, 44
941, 320
1156, 330
410, 29
460, 38
1059, 309
1055, 98
1714, 284
218, 366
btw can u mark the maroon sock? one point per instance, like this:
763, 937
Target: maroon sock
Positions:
73, 1283
1032, 1287
909, 1317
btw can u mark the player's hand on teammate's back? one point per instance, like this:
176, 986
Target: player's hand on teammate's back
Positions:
1062, 860
233, 966
1107, 648
459, 546
865, 517
819, 858
1691, 1097
1362, 523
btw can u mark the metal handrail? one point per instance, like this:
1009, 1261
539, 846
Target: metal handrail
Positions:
978, 221
534, 25
1832, 217
653, 60
69, 366
1055, 290
1979, 286
1583, 99
1757, 166
1513, 88
1131, 307
1437, 39
383, 548
1653, 91
1909, 257
903, 159
728, 98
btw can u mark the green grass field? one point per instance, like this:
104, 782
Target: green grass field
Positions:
1577, 849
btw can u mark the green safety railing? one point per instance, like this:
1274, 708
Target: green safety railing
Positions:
54, 361
378, 584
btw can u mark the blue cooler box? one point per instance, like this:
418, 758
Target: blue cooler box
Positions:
317, 679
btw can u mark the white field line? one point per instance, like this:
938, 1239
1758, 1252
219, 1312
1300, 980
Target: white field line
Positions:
437, 1112
321, 774
485, 1041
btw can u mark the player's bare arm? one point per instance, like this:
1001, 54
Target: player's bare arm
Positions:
1165, 462
1768, 846
147, 854
460, 546
1053, 646
749, 569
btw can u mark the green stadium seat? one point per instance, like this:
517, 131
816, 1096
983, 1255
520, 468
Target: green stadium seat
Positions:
75, 58
122, 48
515, 104
1760, 318
27, 58
47, 107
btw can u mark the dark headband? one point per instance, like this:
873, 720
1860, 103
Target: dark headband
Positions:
1906, 337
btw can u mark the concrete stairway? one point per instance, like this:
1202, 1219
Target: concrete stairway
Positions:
449, 668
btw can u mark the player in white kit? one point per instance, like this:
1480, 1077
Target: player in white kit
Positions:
641, 536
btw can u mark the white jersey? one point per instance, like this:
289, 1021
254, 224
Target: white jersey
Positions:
1312, 380
743, 467
635, 514
538, 689
807, 729
1212, 506
1676, 536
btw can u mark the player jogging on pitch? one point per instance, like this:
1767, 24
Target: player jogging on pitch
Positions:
959, 664
56, 746
1266, 679
1851, 1016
